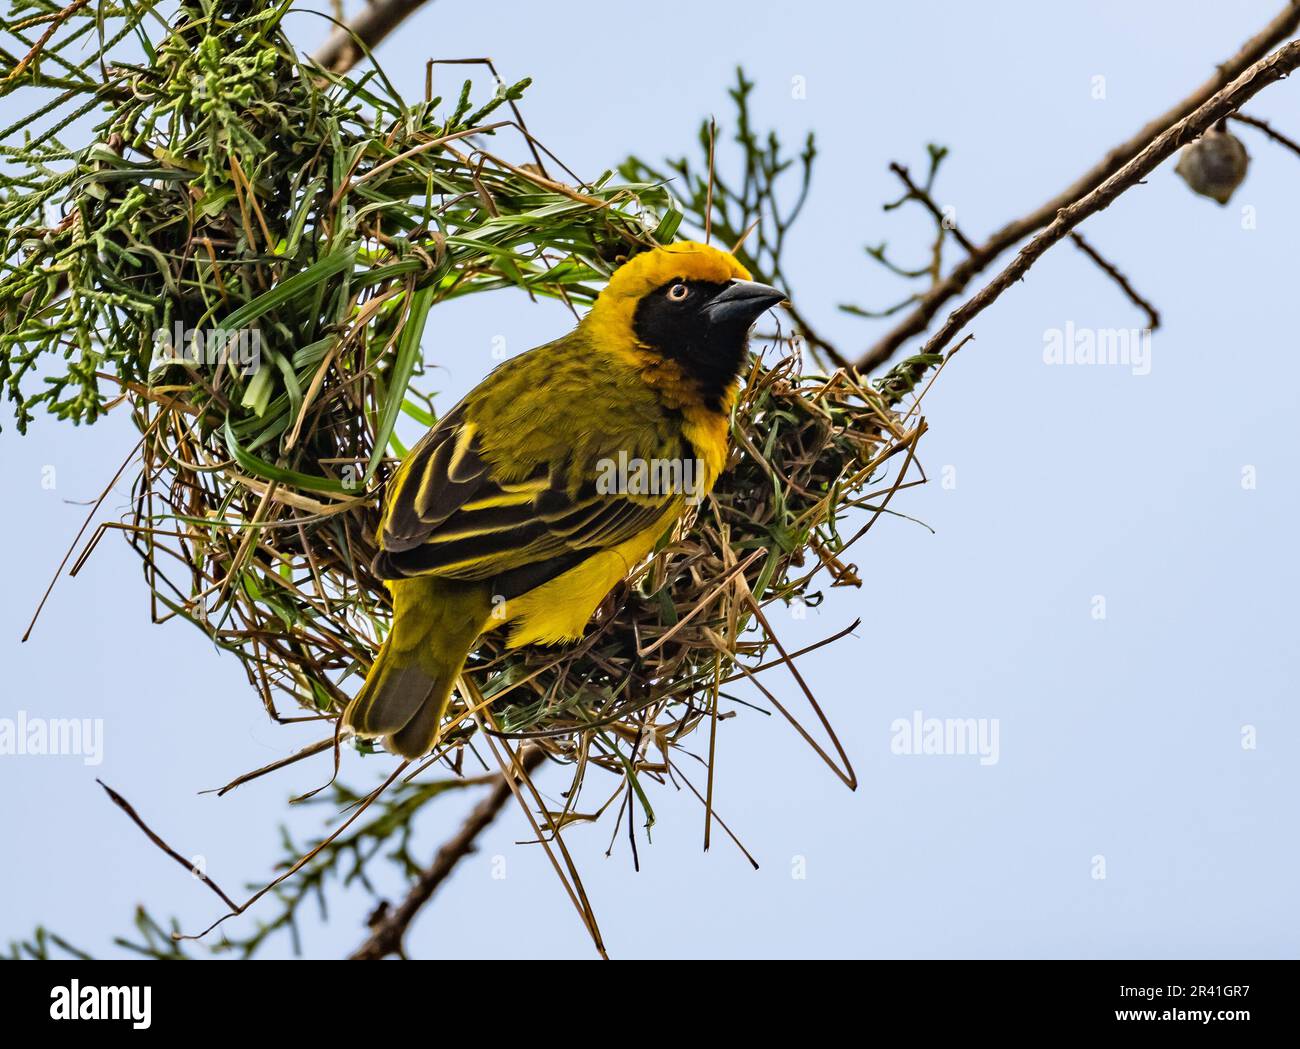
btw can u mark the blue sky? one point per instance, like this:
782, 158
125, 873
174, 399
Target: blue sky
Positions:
1119, 737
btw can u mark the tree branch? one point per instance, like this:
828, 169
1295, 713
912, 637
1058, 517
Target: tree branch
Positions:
340, 52
916, 322
387, 931
1114, 273
916, 193
1269, 131
1256, 78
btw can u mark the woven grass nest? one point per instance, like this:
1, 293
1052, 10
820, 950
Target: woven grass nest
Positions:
230, 187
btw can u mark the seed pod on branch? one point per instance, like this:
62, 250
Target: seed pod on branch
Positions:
1214, 165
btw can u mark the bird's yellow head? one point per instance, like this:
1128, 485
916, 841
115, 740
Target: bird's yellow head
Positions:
681, 313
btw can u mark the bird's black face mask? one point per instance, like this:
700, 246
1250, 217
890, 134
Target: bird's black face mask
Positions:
703, 326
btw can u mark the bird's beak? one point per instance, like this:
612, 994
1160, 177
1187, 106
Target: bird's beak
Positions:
742, 300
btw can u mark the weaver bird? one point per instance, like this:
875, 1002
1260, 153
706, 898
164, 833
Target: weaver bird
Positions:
502, 514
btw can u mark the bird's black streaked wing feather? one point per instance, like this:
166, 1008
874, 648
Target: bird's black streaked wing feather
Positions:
446, 515
485, 544
438, 476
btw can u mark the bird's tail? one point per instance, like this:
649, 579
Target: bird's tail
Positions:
435, 625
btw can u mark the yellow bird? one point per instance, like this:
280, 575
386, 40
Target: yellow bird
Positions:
554, 478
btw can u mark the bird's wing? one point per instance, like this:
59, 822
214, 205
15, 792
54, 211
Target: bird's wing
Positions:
449, 513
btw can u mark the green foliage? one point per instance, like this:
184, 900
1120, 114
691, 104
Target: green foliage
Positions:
43, 946
229, 187
386, 833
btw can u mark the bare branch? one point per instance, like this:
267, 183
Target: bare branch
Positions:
919, 194
387, 931
915, 192
1268, 130
916, 322
1256, 78
340, 52
1114, 273
202, 876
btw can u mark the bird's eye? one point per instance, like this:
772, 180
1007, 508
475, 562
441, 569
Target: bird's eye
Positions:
678, 292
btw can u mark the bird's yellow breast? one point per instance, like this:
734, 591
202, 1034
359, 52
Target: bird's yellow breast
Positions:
559, 610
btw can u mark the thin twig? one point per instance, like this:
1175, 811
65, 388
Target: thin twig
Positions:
1268, 129
299, 864
386, 934
319, 747
126, 807
708, 204
923, 198
1113, 272
35, 52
